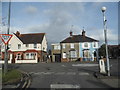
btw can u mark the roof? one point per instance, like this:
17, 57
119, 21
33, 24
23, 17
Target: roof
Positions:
32, 38
78, 38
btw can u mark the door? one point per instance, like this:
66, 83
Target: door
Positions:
57, 58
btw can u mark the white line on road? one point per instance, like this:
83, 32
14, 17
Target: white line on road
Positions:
70, 73
84, 65
57, 86
59, 73
83, 73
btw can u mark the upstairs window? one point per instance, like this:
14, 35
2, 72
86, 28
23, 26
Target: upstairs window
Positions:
85, 44
63, 45
72, 45
94, 44
56, 47
35, 45
27, 45
19, 46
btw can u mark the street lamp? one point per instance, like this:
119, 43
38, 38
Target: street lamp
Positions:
105, 34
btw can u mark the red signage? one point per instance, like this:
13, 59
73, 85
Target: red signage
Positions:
5, 38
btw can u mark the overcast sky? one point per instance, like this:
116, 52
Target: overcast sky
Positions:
56, 18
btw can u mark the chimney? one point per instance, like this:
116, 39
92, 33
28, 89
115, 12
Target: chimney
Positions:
18, 33
71, 33
83, 33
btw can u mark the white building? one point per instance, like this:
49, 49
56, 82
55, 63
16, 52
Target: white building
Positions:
26, 48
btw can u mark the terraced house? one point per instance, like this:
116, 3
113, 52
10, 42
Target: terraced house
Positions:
76, 47
26, 48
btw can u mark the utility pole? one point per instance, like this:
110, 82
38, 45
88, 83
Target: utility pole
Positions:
6, 46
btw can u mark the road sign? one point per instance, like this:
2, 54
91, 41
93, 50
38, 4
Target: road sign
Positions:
5, 38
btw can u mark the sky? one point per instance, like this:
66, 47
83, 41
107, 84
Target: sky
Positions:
56, 18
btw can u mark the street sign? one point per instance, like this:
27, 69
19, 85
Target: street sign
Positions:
5, 38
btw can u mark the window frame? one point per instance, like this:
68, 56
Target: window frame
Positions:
19, 46
64, 55
72, 45
35, 45
63, 46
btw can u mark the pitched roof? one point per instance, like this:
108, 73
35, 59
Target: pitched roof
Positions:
77, 39
32, 38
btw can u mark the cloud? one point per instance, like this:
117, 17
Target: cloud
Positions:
31, 10
99, 35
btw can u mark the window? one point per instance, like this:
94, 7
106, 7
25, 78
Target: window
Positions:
63, 45
64, 55
27, 56
35, 45
73, 54
30, 56
18, 56
72, 45
85, 44
27, 45
94, 44
56, 47
19, 46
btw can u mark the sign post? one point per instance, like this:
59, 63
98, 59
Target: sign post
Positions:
5, 38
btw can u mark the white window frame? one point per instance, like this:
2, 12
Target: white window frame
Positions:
27, 45
35, 45
96, 44
19, 56
30, 55
63, 45
73, 54
83, 45
19, 46
64, 55
56, 47
72, 45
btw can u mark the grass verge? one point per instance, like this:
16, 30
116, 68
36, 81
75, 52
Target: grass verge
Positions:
11, 77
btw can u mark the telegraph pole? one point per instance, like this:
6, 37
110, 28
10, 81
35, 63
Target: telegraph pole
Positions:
6, 46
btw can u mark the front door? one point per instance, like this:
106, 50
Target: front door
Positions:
57, 58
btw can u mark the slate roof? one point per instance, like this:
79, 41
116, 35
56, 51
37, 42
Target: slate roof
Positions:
78, 38
31, 38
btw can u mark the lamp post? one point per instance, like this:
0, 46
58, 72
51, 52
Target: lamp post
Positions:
105, 34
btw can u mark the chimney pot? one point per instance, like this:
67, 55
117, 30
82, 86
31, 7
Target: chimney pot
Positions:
71, 33
18, 33
83, 33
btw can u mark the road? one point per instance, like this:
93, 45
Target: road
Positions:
62, 75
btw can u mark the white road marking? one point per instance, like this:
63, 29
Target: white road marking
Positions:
84, 65
83, 73
63, 65
59, 73
70, 73
57, 86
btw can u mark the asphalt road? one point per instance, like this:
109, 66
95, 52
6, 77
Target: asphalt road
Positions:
62, 75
